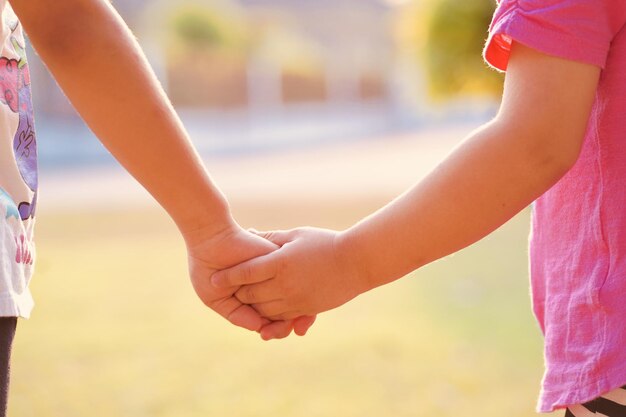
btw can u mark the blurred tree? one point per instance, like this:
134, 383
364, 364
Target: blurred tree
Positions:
207, 48
447, 36
201, 28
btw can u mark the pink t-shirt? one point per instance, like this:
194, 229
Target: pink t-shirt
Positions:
578, 241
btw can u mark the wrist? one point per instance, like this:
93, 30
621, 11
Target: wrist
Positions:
211, 219
350, 253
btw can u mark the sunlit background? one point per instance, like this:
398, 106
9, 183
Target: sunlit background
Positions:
307, 112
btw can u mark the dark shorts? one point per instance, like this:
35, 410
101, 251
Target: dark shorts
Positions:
7, 332
612, 404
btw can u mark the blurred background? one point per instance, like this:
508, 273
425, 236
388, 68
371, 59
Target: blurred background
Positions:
306, 113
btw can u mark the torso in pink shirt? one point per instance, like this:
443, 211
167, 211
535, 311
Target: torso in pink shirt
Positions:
578, 243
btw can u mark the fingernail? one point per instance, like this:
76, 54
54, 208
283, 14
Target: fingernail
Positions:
215, 281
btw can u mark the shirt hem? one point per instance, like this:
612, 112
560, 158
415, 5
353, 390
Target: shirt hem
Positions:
562, 398
16, 305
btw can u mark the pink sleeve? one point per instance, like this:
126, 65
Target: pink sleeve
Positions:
579, 30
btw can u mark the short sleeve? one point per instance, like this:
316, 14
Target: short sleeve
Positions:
578, 30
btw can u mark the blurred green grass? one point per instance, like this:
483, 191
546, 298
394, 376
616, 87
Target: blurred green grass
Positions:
117, 331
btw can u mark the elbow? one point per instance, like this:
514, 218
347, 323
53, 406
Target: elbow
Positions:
60, 31
554, 159
548, 150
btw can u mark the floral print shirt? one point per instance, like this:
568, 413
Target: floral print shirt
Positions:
18, 169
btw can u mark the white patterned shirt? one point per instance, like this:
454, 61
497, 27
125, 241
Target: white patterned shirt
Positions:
18, 169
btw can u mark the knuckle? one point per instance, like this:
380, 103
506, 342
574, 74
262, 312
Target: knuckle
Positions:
223, 277
246, 294
274, 235
246, 273
250, 294
303, 230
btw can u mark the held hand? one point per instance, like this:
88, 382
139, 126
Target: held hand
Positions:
311, 273
209, 252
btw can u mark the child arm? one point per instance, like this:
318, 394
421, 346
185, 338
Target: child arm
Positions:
500, 169
99, 65
101, 68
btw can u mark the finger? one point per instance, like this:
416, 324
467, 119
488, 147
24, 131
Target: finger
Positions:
302, 324
277, 237
276, 330
249, 272
273, 310
257, 293
292, 315
239, 314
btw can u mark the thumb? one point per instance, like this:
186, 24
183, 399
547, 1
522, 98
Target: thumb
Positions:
277, 237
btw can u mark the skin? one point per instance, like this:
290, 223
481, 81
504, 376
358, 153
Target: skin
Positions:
102, 70
496, 172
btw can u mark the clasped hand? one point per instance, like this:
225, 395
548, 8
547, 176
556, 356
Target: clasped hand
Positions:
309, 273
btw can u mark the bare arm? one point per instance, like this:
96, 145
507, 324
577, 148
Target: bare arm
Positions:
495, 173
99, 65
500, 169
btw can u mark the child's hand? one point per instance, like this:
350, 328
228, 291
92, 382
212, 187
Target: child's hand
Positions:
209, 252
311, 273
